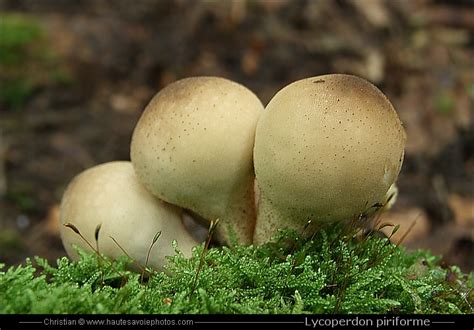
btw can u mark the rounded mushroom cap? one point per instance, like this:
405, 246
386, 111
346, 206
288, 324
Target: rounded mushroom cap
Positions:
110, 195
327, 148
193, 144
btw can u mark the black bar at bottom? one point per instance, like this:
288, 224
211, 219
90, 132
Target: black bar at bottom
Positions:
27, 321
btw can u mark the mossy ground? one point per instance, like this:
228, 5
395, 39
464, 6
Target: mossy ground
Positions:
337, 271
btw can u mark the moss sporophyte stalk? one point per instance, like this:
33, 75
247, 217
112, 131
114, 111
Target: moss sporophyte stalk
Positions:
337, 271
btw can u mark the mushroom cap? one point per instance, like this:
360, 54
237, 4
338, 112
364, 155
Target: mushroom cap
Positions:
110, 194
193, 145
327, 148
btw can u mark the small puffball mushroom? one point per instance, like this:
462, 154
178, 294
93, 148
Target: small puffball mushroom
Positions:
110, 195
327, 148
193, 147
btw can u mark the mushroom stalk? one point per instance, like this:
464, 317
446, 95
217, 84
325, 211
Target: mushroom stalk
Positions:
238, 219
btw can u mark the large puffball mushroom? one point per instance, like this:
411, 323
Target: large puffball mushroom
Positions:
110, 195
193, 146
327, 148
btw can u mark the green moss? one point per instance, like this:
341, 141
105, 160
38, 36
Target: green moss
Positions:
335, 272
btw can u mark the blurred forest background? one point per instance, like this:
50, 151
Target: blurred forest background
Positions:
76, 75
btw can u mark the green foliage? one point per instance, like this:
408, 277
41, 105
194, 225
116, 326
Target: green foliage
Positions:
334, 272
26, 62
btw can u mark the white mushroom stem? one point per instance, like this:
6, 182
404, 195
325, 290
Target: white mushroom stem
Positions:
111, 196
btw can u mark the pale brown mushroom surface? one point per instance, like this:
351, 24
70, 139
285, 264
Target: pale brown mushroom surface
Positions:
110, 195
193, 147
327, 148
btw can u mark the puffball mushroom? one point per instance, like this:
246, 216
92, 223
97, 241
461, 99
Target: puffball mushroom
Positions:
327, 148
193, 146
110, 195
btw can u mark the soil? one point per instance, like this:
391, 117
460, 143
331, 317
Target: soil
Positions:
118, 54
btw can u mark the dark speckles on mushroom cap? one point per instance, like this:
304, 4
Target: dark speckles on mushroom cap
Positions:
193, 144
331, 147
